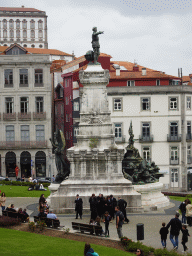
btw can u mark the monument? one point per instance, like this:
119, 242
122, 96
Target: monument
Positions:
95, 161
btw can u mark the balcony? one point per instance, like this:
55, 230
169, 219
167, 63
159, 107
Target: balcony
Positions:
143, 139
174, 138
39, 116
24, 116
174, 161
120, 139
9, 116
22, 144
188, 137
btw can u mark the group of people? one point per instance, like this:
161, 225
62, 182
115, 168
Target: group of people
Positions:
44, 209
175, 226
22, 214
186, 210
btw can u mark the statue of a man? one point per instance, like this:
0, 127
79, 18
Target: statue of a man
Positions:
95, 44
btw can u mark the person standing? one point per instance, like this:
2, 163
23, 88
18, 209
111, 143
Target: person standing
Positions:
182, 208
2, 201
16, 171
176, 226
119, 221
189, 213
184, 237
107, 220
78, 206
163, 232
113, 204
93, 206
122, 206
53, 179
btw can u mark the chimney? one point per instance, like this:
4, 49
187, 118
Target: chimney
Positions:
23, 6
144, 72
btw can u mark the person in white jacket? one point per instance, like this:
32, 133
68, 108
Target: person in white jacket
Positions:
189, 213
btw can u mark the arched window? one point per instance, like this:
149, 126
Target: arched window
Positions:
24, 45
17, 24
11, 33
40, 46
24, 24
40, 33
40, 24
11, 24
18, 33
32, 33
4, 24
33, 46
24, 33
32, 24
4, 33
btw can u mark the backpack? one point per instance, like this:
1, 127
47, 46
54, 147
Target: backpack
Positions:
121, 216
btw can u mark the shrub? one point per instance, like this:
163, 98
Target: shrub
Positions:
6, 221
66, 230
41, 224
32, 225
93, 143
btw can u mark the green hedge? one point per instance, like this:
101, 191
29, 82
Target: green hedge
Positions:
21, 183
132, 246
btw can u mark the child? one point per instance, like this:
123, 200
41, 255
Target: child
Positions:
163, 232
107, 220
184, 237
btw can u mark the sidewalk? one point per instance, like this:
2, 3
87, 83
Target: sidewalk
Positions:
152, 222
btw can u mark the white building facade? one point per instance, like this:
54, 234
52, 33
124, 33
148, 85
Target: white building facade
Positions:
26, 26
161, 118
25, 114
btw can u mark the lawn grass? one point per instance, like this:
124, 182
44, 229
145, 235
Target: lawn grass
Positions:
14, 242
21, 191
178, 198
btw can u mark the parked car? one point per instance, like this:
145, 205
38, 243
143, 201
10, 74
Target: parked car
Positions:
44, 180
4, 178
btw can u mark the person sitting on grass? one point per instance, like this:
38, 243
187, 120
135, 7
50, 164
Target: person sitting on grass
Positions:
88, 251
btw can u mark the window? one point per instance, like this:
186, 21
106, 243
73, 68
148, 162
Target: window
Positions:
67, 83
76, 106
40, 33
62, 110
10, 133
9, 105
158, 82
188, 127
146, 153
174, 177
174, 129
32, 33
40, 24
174, 153
24, 132
76, 131
131, 83
39, 104
117, 104
67, 100
24, 24
18, 33
24, 104
17, 24
146, 130
67, 118
145, 103
23, 76
4, 24
188, 103
118, 130
8, 76
11, 24
173, 104
15, 51
189, 154
40, 133
4, 34
38, 76
24, 33
11, 33
32, 24
40, 46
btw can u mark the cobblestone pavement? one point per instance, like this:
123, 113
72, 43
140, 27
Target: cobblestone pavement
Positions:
151, 220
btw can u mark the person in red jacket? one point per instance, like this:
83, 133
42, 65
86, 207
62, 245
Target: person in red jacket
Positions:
16, 171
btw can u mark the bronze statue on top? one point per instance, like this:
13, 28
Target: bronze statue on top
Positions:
94, 55
63, 168
136, 169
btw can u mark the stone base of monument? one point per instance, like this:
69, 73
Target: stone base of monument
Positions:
151, 196
63, 200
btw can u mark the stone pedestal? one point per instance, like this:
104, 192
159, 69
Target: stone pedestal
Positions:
96, 161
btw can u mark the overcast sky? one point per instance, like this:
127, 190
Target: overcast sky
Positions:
156, 34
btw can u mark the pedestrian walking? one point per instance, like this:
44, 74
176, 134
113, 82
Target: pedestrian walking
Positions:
163, 232
189, 212
182, 208
78, 206
53, 179
176, 226
119, 221
107, 220
184, 237
122, 206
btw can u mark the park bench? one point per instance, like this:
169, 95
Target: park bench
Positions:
49, 222
92, 229
14, 215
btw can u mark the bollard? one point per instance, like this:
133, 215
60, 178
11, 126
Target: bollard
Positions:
140, 231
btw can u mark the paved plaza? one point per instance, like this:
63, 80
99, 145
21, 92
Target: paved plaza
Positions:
151, 220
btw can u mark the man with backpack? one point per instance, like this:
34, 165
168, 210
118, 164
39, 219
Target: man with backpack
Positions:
119, 221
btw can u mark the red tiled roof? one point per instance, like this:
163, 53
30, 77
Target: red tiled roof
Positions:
186, 79
19, 9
